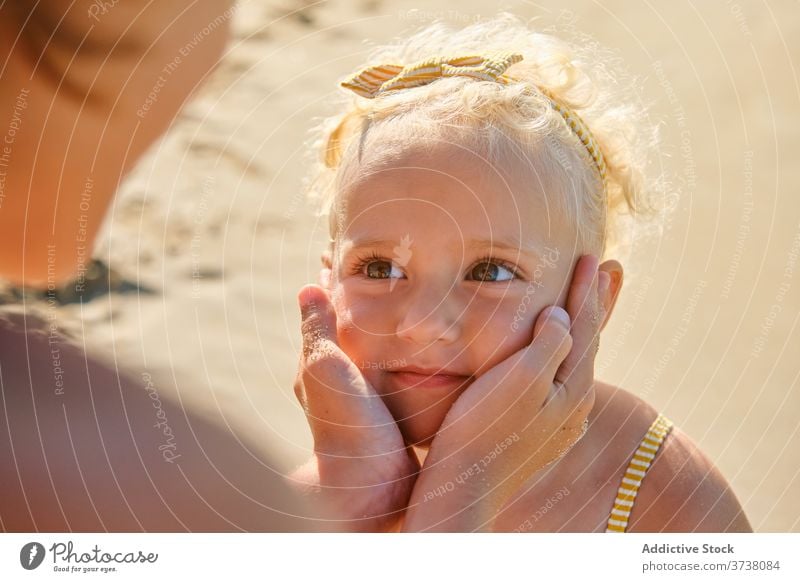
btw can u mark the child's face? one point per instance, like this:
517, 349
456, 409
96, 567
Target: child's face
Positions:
442, 265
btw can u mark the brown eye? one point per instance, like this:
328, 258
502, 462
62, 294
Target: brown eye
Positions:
380, 269
491, 272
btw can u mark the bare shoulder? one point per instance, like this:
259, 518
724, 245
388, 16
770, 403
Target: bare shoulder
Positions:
683, 491
618, 422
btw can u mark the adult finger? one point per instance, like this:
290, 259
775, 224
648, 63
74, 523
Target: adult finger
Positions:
552, 343
537, 363
585, 313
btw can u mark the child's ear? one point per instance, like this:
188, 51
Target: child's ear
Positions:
326, 270
609, 299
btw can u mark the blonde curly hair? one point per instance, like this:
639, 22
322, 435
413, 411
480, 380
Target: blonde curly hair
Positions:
502, 122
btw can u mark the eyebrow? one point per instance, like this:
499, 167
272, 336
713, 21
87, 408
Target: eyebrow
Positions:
511, 245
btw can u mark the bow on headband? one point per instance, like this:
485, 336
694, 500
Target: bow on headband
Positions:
372, 81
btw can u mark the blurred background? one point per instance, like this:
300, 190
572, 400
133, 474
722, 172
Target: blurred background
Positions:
210, 237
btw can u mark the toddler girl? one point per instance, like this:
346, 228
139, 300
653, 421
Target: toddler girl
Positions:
473, 181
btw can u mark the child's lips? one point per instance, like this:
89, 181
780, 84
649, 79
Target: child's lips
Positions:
408, 378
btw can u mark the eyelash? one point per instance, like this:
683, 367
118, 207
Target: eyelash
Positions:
499, 262
363, 261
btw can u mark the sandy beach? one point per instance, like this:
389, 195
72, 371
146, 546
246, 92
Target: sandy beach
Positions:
211, 236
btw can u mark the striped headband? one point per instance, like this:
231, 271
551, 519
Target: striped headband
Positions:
375, 80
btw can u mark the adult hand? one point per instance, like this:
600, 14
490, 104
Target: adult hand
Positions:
516, 418
361, 474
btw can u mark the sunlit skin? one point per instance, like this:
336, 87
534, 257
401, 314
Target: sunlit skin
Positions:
443, 263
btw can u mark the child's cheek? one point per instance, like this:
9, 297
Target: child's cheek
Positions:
353, 327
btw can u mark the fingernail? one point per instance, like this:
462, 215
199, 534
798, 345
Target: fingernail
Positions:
559, 316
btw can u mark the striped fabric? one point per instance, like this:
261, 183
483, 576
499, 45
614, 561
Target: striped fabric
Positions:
372, 81
644, 455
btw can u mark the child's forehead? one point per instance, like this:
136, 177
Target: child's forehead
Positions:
397, 166
444, 206
472, 148
394, 142
462, 173
447, 186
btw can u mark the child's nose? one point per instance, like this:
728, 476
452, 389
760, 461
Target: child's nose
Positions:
430, 316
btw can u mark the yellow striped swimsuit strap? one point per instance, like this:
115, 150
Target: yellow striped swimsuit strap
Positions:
638, 466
